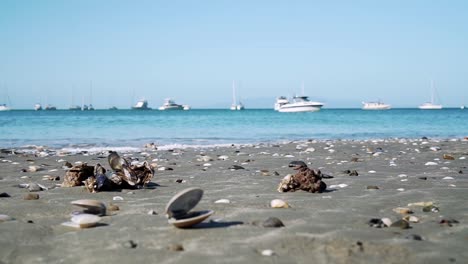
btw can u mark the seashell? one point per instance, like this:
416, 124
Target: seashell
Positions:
117, 198
268, 252
386, 221
83, 221
222, 201
402, 210
92, 206
372, 171
278, 203
434, 148
310, 150
411, 219
204, 158
430, 163
178, 209
207, 165
447, 178
400, 189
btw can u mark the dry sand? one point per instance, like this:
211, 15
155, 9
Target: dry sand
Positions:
330, 227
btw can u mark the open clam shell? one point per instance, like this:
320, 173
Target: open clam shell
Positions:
83, 221
94, 207
178, 208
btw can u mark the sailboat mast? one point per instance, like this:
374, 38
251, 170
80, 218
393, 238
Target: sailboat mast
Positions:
234, 92
432, 91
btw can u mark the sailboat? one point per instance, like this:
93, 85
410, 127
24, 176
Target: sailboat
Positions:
235, 106
431, 105
4, 107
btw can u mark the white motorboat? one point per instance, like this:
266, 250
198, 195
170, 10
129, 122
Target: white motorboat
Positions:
462, 107
141, 105
431, 105
37, 107
375, 106
187, 107
298, 104
169, 104
4, 107
236, 105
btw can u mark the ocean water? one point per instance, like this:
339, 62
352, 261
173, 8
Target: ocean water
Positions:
130, 128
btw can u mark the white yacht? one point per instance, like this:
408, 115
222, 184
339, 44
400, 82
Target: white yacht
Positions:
169, 104
141, 105
298, 104
187, 107
431, 105
37, 107
4, 107
235, 106
50, 107
375, 106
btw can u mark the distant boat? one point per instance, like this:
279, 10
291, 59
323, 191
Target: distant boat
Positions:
4, 107
37, 107
141, 105
235, 106
375, 106
113, 108
50, 108
431, 105
74, 108
91, 107
187, 107
298, 104
462, 107
169, 104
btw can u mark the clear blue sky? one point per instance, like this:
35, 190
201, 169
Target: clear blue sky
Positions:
344, 51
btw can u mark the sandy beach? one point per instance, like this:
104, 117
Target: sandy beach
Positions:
329, 227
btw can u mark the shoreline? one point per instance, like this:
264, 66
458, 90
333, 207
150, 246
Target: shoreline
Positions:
329, 227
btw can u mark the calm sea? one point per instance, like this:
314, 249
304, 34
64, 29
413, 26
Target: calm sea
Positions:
127, 128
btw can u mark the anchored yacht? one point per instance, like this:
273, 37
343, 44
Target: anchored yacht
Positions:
375, 106
298, 104
169, 104
431, 105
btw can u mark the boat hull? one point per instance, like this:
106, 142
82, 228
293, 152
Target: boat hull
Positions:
430, 107
298, 108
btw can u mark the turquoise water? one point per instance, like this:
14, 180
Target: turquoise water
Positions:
127, 128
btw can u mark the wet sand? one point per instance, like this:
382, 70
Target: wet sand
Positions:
330, 227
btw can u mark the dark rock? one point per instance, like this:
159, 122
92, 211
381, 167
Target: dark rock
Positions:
67, 164
272, 222
414, 237
113, 207
430, 208
401, 224
353, 173
423, 178
179, 180
175, 247
355, 159
276, 173
4, 195
129, 244
372, 187
448, 222
31, 196
296, 164
30, 222
425, 138
460, 172
24, 170
236, 167
376, 222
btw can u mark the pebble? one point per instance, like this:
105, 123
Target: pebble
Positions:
434, 148
400, 189
402, 210
447, 178
411, 219
175, 247
4, 218
278, 203
387, 222
34, 168
462, 158
129, 244
401, 224
152, 212
236, 167
448, 157
376, 222
430, 163
272, 222
31, 196
414, 237
117, 198
372, 171
223, 157
113, 207
222, 201
372, 187
4, 195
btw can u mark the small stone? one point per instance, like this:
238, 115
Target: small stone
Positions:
430, 163
401, 224
4, 195
278, 203
387, 222
31, 196
353, 173
236, 167
175, 247
113, 207
179, 181
430, 208
447, 178
34, 168
448, 157
376, 222
414, 237
272, 222
152, 212
448, 222
129, 244
423, 178
4, 218
372, 187
402, 210
411, 219
67, 165
434, 148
